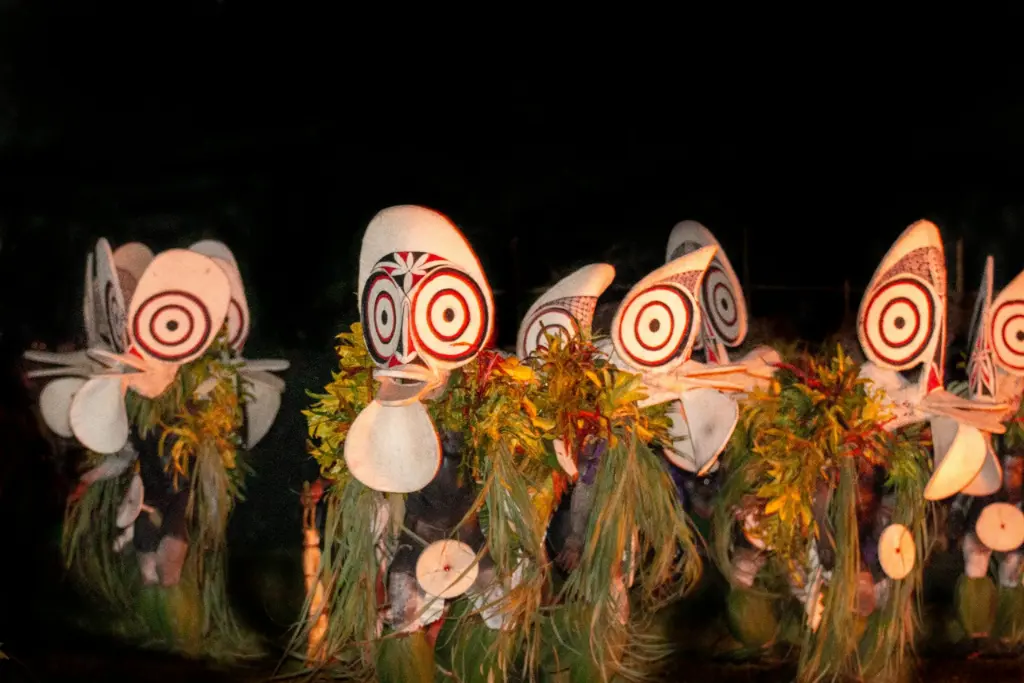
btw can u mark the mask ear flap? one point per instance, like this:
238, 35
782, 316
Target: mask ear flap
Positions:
707, 418
98, 417
959, 456
92, 335
55, 404
111, 304
238, 310
238, 314
980, 371
990, 478
261, 406
131, 261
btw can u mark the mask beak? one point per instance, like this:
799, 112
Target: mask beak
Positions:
981, 415
405, 384
148, 378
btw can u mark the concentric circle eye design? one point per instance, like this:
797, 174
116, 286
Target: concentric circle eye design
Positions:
550, 321
115, 317
721, 306
1008, 334
901, 321
236, 325
656, 326
381, 310
450, 316
172, 326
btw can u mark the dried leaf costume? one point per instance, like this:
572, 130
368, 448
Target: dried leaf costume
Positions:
428, 509
705, 418
161, 405
623, 508
445, 461
828, 480
987, 512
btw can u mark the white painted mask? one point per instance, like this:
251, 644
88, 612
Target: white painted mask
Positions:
426, 309
901, 325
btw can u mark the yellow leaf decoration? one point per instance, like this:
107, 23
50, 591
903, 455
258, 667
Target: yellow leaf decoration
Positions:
794, 436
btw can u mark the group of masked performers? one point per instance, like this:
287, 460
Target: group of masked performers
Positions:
491, 516
163, 406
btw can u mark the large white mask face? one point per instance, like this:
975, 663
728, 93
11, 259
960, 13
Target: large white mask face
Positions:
426, 309
424, 303
565, 310
117, 275
902, 326
178, 307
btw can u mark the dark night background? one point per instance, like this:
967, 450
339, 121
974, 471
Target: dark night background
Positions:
282, 135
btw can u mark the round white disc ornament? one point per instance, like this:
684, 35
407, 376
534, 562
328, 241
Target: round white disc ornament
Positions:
897, 551
1000, 527
447, 569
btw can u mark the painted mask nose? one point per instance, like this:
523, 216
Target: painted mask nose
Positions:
405, 350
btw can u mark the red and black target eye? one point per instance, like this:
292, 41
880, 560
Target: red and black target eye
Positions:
172, 326
381, 308
1008, 334
451, 316
656, 327
900, 321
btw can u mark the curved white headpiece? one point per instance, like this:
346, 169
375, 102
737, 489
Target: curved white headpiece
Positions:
901, 322
721, 295
567, 309
426, 309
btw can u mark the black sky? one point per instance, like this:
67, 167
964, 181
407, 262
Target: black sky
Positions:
169, 121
